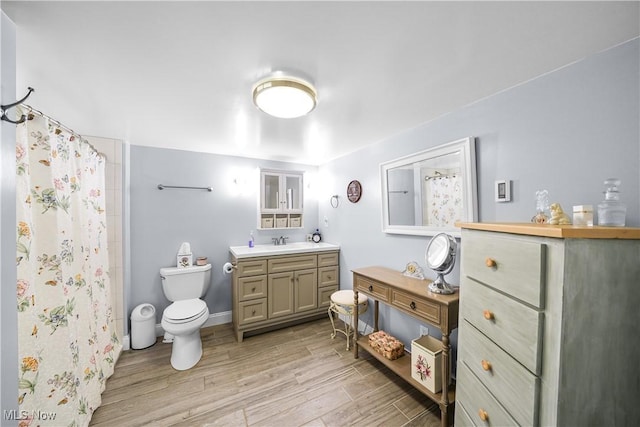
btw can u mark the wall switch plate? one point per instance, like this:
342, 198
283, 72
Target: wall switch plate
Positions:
424, 331
503, 191
309, 237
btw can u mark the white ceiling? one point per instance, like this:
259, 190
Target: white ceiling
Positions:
179, 74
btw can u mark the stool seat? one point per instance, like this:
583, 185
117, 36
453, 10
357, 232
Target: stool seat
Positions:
342, 304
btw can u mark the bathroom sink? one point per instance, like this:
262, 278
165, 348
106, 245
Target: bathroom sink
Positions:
289, 248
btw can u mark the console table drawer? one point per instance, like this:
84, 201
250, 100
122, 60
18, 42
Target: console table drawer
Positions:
478, 402
412, 304
512, 265
516, 328
512, 385
252, 311
252, 287
375, 289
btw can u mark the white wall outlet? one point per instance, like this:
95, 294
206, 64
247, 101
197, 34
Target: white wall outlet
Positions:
424, 331
309, 236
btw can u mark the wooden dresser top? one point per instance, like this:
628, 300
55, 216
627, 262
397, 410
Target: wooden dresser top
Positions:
558, 231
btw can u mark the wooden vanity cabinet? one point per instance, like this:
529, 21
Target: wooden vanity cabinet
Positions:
546, 336
272, 292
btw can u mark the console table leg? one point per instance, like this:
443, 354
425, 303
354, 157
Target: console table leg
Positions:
444, 406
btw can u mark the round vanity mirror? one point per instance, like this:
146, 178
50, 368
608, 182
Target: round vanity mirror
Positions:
440, 256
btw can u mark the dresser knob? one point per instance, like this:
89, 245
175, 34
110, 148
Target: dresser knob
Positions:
370, 288
483, 414
490, 262
486, 365
488, 314
412, 305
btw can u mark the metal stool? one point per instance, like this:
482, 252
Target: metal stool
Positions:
342, 303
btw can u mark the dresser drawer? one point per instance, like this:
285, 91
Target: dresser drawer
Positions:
510, 383
515, 327
328, 276
512, 265
476, 399
252, 311
375, 289
252, 287
413, 304
251, 267
278, 265
326, 259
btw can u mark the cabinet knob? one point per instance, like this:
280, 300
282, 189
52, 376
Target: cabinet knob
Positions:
253, 313
483, 414
486, 365
412, 305
490, 262
370, 288
253, 289
488, 314
329, 276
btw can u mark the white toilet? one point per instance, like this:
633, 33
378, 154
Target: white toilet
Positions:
184, 318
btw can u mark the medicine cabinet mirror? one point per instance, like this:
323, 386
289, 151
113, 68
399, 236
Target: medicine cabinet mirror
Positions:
426, 193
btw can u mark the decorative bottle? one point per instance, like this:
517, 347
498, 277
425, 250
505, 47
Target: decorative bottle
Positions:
251, 239
611, 211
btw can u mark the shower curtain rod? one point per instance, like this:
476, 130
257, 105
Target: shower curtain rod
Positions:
439, 175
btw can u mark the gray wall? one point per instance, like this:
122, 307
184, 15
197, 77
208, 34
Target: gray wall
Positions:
209, 221
8, 313
565, 132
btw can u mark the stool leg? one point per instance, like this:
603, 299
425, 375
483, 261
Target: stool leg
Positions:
330, 312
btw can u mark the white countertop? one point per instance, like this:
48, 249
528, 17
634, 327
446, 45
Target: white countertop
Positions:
289, 248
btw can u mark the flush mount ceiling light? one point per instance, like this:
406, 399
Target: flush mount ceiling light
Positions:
285, 97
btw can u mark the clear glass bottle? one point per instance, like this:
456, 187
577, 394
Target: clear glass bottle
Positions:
611, 211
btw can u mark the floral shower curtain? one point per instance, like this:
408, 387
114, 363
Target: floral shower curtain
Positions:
445, 201
66, 335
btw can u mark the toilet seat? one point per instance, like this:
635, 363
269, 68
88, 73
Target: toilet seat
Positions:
184, 311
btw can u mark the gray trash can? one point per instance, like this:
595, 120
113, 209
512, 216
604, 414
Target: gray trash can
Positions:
143, 327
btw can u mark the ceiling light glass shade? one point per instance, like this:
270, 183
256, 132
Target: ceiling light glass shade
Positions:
285, 97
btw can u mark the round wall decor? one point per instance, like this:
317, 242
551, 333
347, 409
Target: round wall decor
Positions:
354, 191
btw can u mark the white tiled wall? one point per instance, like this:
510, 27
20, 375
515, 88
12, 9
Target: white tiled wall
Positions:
112, 150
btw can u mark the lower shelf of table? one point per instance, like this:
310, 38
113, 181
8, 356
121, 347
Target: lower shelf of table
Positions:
402, 367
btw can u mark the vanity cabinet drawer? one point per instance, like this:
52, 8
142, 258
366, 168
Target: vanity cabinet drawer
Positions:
328, 276
326, 259
479, 403
251, 267
252, 287
375, 289
511, 265
278, 265
512, 385
418, 306
324, 295
514, 327
252, 311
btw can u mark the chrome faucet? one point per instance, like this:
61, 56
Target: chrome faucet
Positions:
282, 240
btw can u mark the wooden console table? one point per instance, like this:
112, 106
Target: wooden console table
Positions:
411, 296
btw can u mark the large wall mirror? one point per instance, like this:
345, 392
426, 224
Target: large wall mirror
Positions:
426, 193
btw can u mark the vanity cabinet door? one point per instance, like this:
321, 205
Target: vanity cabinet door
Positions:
280, 294
306, 290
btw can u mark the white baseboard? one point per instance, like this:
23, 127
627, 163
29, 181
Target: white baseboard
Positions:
213, 320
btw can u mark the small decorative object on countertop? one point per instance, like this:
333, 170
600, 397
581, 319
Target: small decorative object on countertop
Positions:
583, 215
558, 217
387, 345
611, 211
413, 270
542, 205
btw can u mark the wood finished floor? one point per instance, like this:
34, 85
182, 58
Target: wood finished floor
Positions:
297, 376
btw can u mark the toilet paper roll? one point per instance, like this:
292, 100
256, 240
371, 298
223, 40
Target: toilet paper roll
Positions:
227, 268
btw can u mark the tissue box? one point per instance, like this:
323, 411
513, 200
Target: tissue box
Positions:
426, 362
387, 345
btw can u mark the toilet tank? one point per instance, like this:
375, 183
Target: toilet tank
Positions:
185, 283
